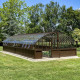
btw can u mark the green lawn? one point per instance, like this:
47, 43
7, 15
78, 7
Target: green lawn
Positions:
12, 68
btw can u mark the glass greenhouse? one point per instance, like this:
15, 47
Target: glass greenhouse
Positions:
38, 42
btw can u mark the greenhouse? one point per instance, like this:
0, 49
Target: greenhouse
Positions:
32, 45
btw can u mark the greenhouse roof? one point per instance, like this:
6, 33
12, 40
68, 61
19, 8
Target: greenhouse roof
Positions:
25, 39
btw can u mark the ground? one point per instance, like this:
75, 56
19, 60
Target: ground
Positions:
12, 68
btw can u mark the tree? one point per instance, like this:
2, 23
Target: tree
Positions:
50, 16
11, 15
70, 19
76, 35
34, 18
2, 35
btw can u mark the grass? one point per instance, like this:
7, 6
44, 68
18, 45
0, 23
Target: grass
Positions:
12, 68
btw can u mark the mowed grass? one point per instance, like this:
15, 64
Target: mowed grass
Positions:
12, 68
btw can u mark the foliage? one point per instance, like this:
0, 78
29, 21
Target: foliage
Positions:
47, 53
76, 34
70, 19
50, 16
1, 48
34, 18
11, 17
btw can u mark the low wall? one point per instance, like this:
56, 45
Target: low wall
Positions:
36, 54
57, 53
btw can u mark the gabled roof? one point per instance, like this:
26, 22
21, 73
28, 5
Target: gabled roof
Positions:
25, 38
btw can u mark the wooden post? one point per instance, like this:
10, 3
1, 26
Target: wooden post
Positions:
42, 43
54, 42
57, 39
46, 45
49, 42
38, 43
51, 46
34, 47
